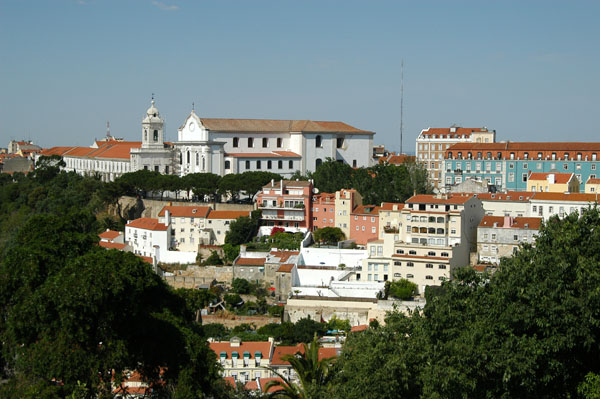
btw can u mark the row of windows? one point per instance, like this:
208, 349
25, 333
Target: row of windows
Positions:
412, 264
498, 167
250, 141
258, 164
409, 276
499, 155
373, 229
430, 253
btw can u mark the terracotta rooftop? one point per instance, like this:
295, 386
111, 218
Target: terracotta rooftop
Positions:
522, 196
365, 210
147, 224
112, 245
186, 211
250, 262
559, 178
577, 197
286, 268
394, 159
359, 328
389, 206
109, 234
592, 181
284, 255
433, 199
513, 223
279, 126
527, 146
229, 215
282, 350
146, 259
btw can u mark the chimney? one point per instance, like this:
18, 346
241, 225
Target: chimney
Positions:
508, 221
395, 207
281, 186
242, 251
272, 182
167, 217
550, 178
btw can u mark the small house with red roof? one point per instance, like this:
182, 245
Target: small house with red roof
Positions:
552, 182
364, 223
244, 361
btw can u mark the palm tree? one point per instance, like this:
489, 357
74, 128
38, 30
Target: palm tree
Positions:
311, 371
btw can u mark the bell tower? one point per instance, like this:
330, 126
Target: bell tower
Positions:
152, 128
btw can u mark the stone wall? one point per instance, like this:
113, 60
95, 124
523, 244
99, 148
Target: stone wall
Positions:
231, 321
194, 276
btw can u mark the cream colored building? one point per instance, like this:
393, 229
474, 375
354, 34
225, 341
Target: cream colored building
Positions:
435, 234
198, 225
345, 201
389, 218
592, 186
511, 203
433, 142
552, 183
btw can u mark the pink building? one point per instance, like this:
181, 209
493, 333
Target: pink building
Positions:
323, 210
287, 204
364, 223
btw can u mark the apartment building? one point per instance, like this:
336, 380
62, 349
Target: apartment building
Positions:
244, 361
433, 142
345, 202
508, 165
433, 236
364, 223
545, 205
592, 186
500, 236
323, 210
512, 203
144, 234
287, 204
389, 218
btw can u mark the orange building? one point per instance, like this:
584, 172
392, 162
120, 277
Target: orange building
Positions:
287, 204
364, 223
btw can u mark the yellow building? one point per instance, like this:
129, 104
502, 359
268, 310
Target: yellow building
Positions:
552, 183
592, 186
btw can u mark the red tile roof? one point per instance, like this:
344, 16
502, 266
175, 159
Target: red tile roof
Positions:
284, 255
389, 206
112, 245
522, 196
250, 262
559, 178
286, 268
394, 159
264, 381
281, 350
432, 199
227, 215
147, 224
579, 197
186, 211
109, 234
359, 328
592, 181
288, 183
365, 210
517, 223
279, 126
146, 259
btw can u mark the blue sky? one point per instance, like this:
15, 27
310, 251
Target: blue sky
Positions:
528, 69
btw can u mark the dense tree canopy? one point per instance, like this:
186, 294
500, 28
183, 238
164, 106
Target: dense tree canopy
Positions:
74, 315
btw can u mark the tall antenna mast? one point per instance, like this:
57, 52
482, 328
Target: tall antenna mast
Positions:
401, 102
107, 129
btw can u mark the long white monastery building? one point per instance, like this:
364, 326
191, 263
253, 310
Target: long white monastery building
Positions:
223, 146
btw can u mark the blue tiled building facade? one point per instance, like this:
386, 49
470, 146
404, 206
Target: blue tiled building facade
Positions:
507, 165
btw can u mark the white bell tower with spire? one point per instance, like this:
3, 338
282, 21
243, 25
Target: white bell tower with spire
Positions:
152, 128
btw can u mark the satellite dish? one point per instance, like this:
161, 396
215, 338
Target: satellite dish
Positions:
316, 190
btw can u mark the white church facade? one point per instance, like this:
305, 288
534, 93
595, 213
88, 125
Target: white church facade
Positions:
223, 146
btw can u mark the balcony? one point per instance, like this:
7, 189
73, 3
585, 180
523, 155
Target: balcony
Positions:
284, 217
390, 230
297, 207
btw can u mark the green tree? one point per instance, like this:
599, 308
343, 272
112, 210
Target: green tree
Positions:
243, 229
230, 252
402, 289
213, 260
329, 235
241, 286
332, 176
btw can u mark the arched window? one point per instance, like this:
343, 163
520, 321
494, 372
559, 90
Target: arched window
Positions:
291, 165
250, 142
269, 164
279, 164
145, 135
180, 158
279, 142
265, 142
203, 163
156, 135
227, 164
188, 156
318, 142
236, 141
197, 159
318, 162
440, 219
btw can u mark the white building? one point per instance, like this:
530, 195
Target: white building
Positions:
223, 146
143, 234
